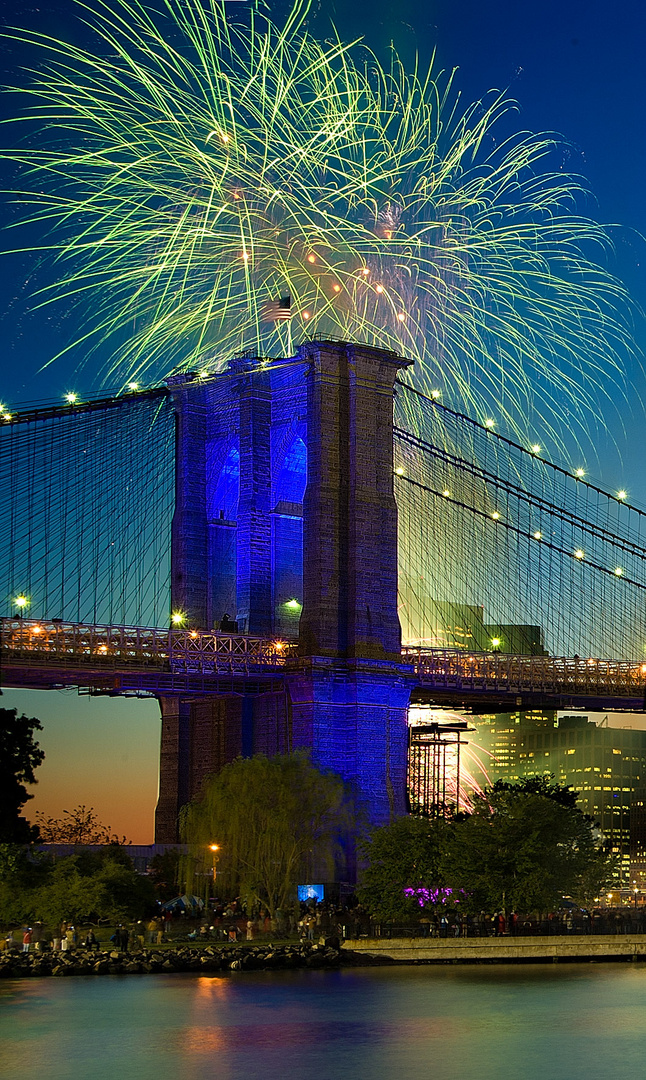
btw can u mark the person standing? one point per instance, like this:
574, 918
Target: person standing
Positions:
91, 941
26, 939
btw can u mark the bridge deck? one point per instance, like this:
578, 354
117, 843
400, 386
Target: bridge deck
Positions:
117, 659
109, 659
592, 683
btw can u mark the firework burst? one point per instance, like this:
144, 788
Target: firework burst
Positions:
213, 188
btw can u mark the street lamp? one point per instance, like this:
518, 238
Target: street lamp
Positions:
213, 848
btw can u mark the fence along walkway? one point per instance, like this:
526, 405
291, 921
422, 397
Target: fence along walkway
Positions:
30, 644
454, 670
38, 642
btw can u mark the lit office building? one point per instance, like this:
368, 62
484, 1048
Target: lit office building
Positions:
606, 765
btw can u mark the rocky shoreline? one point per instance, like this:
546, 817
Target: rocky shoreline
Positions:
207, 959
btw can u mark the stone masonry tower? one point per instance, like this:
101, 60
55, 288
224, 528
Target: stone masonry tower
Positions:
303, 523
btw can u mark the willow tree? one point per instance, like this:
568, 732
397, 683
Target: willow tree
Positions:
274, 820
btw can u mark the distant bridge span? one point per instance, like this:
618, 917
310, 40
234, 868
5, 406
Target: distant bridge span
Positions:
37, 654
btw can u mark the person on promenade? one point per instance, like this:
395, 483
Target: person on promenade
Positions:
26, 939
91, 940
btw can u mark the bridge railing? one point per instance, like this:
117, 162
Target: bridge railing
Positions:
42, 642
455, 670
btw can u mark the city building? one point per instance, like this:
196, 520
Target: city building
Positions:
462, 626
605, 763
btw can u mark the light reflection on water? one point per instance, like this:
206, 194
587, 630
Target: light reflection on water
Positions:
468, 1023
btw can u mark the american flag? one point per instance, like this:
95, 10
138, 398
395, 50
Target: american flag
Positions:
277, 310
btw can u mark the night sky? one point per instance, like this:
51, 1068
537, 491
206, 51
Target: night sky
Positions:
574, 67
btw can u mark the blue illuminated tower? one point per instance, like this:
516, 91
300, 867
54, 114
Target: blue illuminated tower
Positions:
286, 521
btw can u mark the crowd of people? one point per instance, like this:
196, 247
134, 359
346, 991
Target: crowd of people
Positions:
234, 922
571, 920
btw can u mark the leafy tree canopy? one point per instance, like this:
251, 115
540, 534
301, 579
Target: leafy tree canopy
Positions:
164, 872
270, 817
524, 850
20, 755
402, 860
524, 847
88, 886
79, 827
564, 794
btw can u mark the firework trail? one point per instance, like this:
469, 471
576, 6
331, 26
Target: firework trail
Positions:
210, 188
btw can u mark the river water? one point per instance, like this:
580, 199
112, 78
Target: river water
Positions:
543, 1022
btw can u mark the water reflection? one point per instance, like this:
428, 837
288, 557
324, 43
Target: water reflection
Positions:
543, 1022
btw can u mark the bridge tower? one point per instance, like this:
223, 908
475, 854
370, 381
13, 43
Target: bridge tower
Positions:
251, 538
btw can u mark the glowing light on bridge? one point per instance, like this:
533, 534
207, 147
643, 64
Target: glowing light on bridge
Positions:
618, 571
538, 535
178, 618
71, 398
579, 473
21, 602
467, 227
293, 605
622, 495
536, 448
489, 423
579, 553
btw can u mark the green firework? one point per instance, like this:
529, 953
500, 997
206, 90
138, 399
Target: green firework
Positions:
191, 173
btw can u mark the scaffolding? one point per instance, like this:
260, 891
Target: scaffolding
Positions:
434, 767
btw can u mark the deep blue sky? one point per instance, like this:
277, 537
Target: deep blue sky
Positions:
575, 68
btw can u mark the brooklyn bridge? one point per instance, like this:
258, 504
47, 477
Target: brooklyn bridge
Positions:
291, 552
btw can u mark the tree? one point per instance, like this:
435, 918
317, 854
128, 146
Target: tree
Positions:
93, 886
273, 819
164, 872
20, 755
404, 870
564, 794
21, 872
79, 827
524, 849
